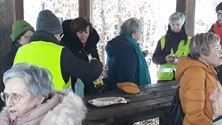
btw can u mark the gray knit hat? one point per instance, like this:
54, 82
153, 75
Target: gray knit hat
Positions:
48, 22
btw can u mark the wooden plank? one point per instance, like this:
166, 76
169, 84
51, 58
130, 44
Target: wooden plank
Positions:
7, 16
19, 9
188, 8
84, 8
136, 113
139, 108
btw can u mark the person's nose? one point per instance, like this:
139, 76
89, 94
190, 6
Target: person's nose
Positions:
84, 35
9, 102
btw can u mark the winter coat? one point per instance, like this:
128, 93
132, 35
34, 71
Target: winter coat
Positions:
122, 62
197, 83
55, 110
9, 57
70, 64
217, 29
172, 40
72, 42
7, 64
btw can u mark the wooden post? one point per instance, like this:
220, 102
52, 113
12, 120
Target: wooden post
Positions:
188, 8
19, 9
7, 17
84, 8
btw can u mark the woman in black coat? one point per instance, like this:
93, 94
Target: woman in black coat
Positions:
81, 38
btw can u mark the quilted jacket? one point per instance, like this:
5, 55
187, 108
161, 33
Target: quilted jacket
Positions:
197, 82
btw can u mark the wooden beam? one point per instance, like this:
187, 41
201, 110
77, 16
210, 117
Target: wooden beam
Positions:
19, 9
7, 17
84, 8
188, 8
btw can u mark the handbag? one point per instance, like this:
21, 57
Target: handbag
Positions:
176, 112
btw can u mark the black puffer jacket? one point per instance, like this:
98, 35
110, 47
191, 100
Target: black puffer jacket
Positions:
72, 42
9, 57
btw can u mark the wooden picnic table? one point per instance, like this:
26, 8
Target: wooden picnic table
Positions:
153, 102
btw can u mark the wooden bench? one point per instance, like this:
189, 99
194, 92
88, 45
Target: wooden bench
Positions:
154, 102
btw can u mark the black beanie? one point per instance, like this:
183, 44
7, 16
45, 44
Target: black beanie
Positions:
48, 22
219, 7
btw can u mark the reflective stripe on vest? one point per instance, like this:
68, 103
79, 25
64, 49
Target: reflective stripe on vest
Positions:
46, 55
166, 70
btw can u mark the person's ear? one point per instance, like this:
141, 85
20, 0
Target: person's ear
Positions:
204, 56
134, 35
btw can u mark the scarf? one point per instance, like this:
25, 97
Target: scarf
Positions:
144, 75
218, 31
173, 39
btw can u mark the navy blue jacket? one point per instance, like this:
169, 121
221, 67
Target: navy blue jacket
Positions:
122, 63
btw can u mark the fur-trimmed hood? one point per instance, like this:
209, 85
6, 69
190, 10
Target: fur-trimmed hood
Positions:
71, 111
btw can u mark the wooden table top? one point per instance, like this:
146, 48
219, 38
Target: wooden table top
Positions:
153, 98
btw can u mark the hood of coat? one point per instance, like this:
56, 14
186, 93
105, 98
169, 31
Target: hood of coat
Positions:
187, 63
72, 41
71, 111
116, 46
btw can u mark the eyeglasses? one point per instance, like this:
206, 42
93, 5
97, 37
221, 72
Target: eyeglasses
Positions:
14, 97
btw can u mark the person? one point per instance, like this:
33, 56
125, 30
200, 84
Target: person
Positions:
81, 39
30, 99
20, 35
125, 60
46, 52
171, 47
217, 26
198, 79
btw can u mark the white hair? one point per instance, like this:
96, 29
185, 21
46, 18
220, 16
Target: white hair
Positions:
177, 16
38, 80
130, 26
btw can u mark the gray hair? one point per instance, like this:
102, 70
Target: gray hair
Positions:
177, 16
130, 26
203, 44
38, 80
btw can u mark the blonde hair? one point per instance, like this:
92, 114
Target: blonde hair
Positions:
202, 44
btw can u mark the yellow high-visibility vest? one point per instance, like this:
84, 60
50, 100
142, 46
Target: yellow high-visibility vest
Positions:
46, 55
166, 71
